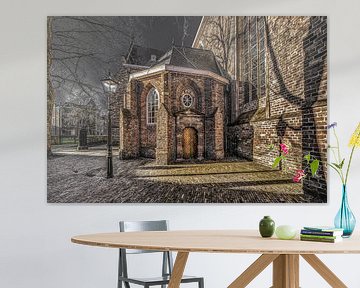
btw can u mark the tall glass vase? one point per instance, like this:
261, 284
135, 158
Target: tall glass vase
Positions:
345, 219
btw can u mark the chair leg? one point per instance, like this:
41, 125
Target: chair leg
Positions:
201, 283
164, 266
120, 273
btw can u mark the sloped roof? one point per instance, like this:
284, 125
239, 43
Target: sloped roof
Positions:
139, 55
185, 60
189, 57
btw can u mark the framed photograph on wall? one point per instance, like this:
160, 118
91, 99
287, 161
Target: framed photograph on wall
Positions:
170, 109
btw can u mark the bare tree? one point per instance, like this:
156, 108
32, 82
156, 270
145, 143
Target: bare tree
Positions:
80, 51
185, 32
220, 37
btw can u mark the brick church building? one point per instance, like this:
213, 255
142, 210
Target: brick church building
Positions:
173, 108
247, 82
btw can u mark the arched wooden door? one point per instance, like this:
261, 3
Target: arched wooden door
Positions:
190, 143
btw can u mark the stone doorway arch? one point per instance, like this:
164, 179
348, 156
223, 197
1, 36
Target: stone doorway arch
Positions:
190, 143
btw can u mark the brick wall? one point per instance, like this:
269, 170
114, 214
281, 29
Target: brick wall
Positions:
163, 150
118, 100
291, 97
164, 140
297, 55
129, 146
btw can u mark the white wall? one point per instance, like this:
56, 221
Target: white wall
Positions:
35, 248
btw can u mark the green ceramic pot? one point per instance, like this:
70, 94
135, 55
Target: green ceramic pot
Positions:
267, 227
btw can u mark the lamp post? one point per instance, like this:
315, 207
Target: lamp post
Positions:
110, 87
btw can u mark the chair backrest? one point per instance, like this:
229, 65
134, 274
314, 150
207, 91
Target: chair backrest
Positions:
137, 226
134, 226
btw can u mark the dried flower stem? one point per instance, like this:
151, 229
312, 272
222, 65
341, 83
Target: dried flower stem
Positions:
338, 145
340, 171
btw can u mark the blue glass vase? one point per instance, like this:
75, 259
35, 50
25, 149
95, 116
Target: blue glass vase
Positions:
345, 219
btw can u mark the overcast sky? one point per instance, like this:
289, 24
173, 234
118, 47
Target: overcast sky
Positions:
159, 32
84, 49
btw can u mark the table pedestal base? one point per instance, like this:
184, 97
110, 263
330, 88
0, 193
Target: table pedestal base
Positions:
286, 271
178, 270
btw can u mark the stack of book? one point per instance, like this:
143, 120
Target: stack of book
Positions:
321, 234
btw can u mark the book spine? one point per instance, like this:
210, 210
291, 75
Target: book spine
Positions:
317, 239
319, 233
318, 236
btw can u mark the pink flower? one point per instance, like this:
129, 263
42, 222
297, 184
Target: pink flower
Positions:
284, 149
299, 175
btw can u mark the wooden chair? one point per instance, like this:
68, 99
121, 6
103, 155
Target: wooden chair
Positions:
167, 262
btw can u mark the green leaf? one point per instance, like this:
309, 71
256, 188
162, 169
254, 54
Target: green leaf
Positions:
277, 161
314, 166
334, 167
339, 166
271, 146
342, 163
307, 157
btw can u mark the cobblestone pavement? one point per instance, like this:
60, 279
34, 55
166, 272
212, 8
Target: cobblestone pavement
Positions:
79, 177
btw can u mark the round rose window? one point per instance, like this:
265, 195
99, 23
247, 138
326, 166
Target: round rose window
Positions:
187, 100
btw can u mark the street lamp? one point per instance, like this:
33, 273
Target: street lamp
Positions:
110, 87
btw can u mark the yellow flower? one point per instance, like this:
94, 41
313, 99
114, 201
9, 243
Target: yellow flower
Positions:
355, 138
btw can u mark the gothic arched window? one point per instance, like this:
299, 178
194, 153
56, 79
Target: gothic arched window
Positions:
253, 57
152, 106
